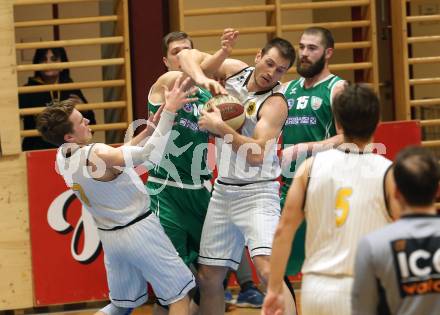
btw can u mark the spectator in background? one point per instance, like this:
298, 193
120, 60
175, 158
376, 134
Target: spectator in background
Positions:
39, 99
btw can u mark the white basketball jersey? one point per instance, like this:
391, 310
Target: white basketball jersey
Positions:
232, 166
345, 200
113, 203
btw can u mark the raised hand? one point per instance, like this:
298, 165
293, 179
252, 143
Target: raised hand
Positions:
228, 39
179, 94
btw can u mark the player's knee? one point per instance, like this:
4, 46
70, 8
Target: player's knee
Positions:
210, 278
263, 273
262, 265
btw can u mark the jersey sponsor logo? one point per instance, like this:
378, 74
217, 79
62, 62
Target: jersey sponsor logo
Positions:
417, 262
292, 91
301, 102
188, 107
290, 103
251, 106
189, 124
301, 120
240, 78
316, 102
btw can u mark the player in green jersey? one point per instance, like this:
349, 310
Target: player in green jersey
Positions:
310, 125
176, 187
178, 195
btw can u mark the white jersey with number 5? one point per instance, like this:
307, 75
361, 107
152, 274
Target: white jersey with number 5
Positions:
345, 200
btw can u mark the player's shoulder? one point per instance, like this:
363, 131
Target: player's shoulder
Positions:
380, 159
233, 67
238, 74
289, 85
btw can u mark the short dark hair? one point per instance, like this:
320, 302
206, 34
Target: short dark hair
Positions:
53, 122
172, 37
357, 110
326, 36
416, 173
59, 53
284, 47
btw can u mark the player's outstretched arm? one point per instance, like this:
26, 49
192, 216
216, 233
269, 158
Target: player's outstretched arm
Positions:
156, 95
202, 67
212, 64
190, 61
291, 217
292, 152
154, 148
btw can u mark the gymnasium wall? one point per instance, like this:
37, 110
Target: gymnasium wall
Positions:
46, 33
15, 258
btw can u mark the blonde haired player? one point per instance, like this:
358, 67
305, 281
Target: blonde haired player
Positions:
135, 245
341, 194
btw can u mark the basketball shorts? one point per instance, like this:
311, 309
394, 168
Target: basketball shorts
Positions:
181, 212
239, 216
326, 295
141, 253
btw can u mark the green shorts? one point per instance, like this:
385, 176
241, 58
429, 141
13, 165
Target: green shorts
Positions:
297, 254
181, 213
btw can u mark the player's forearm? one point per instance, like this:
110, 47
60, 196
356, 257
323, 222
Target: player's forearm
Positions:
136, 140
253, 149
190, 62
281, 248
154, 148
212, 63
292, 152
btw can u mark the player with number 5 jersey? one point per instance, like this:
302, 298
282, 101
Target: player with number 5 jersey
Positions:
343, 194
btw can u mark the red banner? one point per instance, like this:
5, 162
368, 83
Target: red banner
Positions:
396, 135
67, 259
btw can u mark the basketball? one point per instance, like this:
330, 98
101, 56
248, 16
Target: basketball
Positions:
231, 109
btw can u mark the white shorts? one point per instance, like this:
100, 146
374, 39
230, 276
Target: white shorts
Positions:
141, 253
326, 295
239, 216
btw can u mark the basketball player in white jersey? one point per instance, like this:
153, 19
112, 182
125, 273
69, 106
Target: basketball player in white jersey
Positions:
341, 194
244, 208
135, 246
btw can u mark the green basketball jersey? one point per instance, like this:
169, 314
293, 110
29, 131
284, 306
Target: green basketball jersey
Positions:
186, 152
310, 116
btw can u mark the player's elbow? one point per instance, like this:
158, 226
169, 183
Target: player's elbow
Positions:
190, 53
